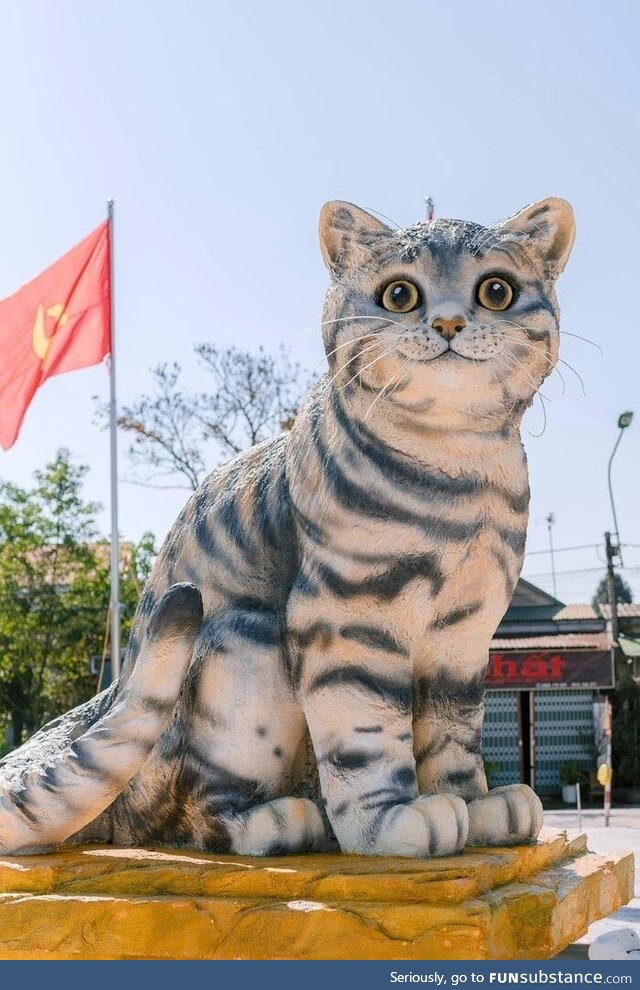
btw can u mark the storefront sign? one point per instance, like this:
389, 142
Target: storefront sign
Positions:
550, 668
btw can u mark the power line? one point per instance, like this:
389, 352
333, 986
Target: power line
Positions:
582, 546
579, 570
585, 546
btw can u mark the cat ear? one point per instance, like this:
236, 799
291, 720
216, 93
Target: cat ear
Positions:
347, 234
548, 228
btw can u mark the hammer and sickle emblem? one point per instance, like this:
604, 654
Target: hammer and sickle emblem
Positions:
41, 342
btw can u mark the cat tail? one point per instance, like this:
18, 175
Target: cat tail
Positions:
50, 799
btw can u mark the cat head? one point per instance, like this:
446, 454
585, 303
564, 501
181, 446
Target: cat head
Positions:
446, 318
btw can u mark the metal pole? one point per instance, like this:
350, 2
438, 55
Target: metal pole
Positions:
550, 521
611, 588
113, 430
532, 739
613, 506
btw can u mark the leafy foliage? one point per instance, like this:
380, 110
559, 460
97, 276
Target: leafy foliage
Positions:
626, 733
623, 592
54, 595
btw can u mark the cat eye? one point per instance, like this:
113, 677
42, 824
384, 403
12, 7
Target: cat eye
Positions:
495, 293
400, 296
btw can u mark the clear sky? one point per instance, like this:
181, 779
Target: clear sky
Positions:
221, 128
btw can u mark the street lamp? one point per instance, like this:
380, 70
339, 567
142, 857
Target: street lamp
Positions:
624, 420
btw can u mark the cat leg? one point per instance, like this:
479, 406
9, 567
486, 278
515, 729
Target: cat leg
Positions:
241, 742
448, 717
368, 778
47, 798
449, 711
358, 709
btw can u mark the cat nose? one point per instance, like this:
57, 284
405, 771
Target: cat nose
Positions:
449, 328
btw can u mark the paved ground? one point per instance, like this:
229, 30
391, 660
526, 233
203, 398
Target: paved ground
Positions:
623, 833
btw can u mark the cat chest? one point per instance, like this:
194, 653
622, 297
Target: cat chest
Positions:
422, 584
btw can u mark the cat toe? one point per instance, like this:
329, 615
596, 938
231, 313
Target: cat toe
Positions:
278, 828
430, 825
506, 816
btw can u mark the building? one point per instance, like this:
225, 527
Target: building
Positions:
549, 665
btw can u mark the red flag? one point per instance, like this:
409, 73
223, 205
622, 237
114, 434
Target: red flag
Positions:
59, 322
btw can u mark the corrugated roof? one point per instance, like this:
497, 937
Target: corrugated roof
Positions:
550, 613
563, 641
631, 611
629, 646
531, 613
576, 611
568, 613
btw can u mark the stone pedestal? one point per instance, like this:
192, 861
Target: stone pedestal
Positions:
526, 902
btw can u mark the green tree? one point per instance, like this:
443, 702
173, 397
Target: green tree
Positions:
54, 595
624, 595
626, 733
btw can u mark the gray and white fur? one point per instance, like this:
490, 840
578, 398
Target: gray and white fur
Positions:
306, 664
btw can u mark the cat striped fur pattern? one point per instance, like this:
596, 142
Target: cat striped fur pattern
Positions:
306, 665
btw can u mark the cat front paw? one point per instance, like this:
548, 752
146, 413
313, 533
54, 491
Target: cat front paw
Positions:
506, 816
280, 827
430, 825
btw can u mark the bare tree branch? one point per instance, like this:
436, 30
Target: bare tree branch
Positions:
150, 484
175, 434
255, 395
164, 429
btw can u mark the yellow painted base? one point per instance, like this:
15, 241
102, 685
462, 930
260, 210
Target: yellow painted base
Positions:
527, 902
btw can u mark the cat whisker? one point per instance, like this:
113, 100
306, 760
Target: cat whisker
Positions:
544, 422
542, 402
401, 379
554, 366
370, 365
523, 343
540, 395
355, 340
302, 334
556, 369
383, 390
565, 333
378, 396
507, 354
349, 319
512, 323
577, 374
346, 319
345, 343
568, 333
353, 358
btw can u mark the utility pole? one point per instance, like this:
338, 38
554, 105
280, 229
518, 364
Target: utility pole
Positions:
550, 522
605, 773
611, 551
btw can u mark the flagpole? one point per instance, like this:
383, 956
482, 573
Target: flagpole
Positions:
113, 430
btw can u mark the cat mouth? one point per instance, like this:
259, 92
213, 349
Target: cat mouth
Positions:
451, 354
